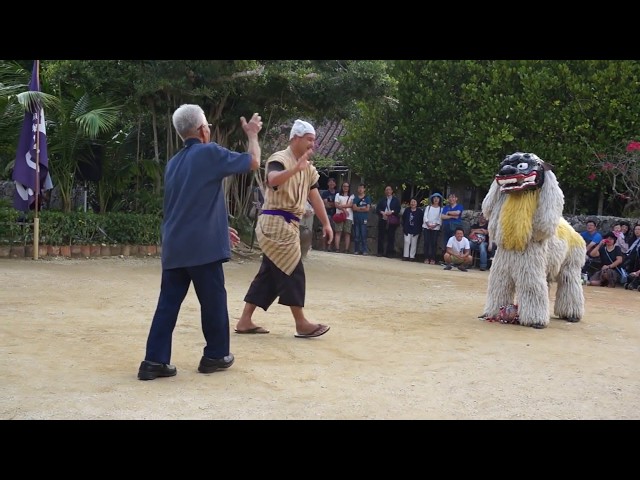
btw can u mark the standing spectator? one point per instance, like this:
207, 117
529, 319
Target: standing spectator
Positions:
431, 224
591, 239
292, 179
451, 218
307, 218
306, 229
195, 242
479, 240
411, 228
458, 251
343, 202
388, 211
361, 205
328, 198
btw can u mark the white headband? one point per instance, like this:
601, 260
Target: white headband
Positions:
301, 128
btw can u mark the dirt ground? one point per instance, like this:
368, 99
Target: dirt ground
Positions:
405, 343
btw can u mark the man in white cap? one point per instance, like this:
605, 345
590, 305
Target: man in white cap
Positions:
291, 179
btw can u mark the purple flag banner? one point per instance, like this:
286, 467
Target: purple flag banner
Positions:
32, 148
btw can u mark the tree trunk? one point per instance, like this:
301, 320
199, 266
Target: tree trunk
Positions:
575, 204
600, 203
156, 151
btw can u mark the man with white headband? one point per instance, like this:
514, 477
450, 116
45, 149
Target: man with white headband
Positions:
291, 179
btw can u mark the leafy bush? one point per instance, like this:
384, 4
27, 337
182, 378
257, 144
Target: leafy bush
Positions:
13, 227
79, 228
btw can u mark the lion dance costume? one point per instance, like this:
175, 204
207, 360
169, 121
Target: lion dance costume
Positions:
535, 244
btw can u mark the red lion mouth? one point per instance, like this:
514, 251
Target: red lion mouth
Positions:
517, 182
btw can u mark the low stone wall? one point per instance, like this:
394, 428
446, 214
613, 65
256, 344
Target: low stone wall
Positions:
8, 188
80, 251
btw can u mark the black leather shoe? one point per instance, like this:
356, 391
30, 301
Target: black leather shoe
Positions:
150, 370
210, 365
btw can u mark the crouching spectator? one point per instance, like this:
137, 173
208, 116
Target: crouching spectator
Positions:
592, 239
633, 281
610, 259
479, 240
458, 251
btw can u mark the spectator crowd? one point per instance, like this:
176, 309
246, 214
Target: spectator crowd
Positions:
613, 256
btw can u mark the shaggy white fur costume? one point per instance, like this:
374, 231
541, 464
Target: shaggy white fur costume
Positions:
536, 246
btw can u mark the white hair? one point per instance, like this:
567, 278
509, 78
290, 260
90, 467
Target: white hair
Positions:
187, 118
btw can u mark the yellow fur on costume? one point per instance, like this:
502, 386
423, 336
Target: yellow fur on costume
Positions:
568, 234
517, 219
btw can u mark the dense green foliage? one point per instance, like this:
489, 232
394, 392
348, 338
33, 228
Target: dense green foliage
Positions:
124, 108
418, 125
79, 228
454, 121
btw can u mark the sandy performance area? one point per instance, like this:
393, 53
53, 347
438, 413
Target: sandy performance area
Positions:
405, 343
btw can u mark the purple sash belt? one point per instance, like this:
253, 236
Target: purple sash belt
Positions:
288, 216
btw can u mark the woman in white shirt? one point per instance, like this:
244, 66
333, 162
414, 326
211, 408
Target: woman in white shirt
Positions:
431, 224
343, 202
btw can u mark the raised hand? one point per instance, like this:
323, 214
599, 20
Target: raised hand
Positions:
234, 238
253, 126
305, 160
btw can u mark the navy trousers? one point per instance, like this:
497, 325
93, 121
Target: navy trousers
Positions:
208, 282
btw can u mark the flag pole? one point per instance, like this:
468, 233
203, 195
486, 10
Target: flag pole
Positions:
36, 218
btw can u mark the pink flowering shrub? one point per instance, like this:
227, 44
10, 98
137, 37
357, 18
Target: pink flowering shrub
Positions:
622, 169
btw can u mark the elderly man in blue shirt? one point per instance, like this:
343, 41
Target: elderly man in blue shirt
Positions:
196, 240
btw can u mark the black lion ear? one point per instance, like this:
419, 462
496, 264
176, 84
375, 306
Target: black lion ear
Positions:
547, 166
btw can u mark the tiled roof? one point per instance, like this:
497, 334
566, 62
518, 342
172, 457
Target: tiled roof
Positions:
327, 136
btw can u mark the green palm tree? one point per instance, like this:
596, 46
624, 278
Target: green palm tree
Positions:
73, 121
123, 174
14, 101
76, 121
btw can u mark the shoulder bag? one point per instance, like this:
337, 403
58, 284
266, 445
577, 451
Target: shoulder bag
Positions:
624, 276
339, 217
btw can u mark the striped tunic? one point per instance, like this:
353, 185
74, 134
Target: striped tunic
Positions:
279, 240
